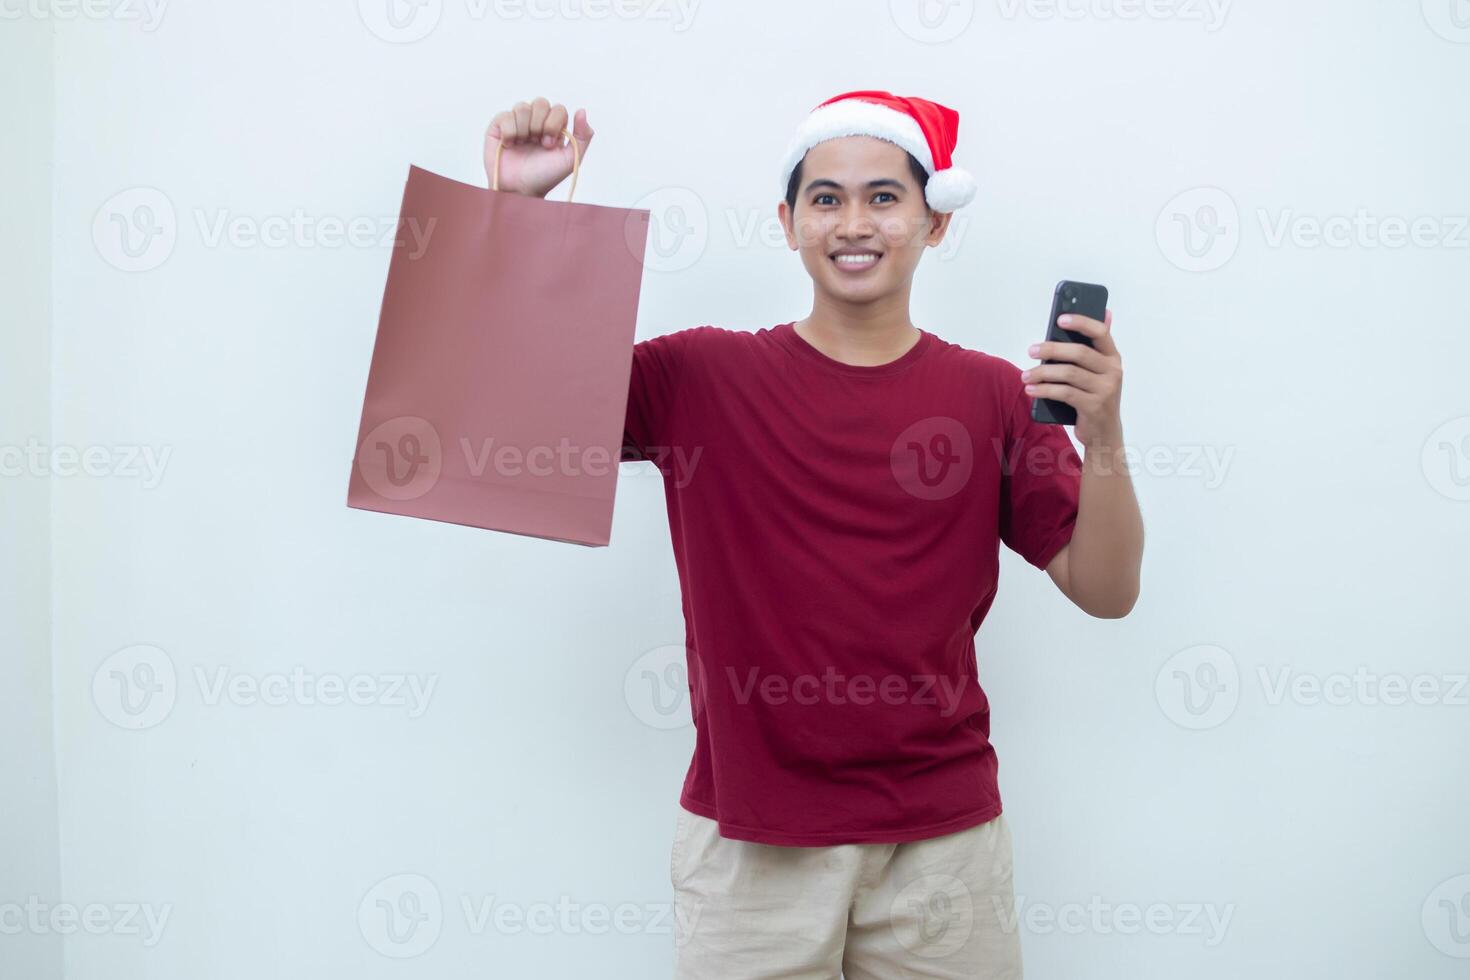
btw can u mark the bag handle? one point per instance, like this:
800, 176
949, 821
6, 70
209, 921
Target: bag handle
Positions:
576, 164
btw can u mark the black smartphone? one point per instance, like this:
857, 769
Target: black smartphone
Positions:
1087, 300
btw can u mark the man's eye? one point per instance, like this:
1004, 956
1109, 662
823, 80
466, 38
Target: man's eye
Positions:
885, 194
821, 196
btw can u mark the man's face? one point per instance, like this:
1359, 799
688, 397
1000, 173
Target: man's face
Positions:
858, 197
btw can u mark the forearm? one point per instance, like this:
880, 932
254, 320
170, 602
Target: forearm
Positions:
1098, 569
1106, 550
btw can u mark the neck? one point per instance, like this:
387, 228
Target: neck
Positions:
860, 334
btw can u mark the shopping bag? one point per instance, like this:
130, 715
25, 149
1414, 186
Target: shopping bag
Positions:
498, 386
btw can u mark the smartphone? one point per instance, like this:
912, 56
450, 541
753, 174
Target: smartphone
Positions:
1082, 298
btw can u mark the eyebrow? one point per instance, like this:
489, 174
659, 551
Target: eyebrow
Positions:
881, 182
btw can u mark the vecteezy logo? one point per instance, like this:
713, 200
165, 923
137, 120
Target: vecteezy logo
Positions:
659, 688
1198, 687
136, 687
401, 21
933, 458
933, 916
401, 916
135, 230
1446, 917
678, 228
1199, 230
1450, 19
1446, 459
932, 21
401, 459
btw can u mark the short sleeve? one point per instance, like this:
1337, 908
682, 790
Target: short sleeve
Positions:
653, 387
1041, 481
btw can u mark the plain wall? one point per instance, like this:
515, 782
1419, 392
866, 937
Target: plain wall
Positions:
1326, 537
30, 874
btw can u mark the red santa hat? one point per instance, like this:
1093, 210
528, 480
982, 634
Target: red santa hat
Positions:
926, 129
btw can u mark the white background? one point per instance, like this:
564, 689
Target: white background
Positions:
1151, 761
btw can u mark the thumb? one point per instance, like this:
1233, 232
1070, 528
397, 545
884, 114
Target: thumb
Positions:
581, 131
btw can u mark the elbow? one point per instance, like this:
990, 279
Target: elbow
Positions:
1113, 611
1108, 592
1114, 606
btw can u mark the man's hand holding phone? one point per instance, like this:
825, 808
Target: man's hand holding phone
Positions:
534, 159
1088, 378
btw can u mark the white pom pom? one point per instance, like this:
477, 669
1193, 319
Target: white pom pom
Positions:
949, 190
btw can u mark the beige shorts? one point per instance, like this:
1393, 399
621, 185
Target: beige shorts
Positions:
937, 908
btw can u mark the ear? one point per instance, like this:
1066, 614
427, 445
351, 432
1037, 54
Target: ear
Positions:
784, 213
938, 225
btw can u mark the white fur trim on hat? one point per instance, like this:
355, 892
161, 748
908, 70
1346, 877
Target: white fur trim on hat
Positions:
947, 190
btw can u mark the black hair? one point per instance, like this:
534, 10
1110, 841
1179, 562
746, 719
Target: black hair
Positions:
921, 176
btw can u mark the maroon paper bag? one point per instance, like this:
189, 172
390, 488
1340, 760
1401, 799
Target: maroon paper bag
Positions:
499, 379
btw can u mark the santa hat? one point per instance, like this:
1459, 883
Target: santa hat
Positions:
926, 129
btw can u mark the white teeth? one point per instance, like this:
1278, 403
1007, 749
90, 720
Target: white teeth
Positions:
856, 259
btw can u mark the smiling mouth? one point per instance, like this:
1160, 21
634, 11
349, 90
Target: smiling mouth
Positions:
856, 263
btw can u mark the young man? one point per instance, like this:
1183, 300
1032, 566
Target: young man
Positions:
838, 487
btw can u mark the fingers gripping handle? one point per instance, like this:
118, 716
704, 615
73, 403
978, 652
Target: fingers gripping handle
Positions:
576, 163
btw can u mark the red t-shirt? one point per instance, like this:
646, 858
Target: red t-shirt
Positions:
836, 530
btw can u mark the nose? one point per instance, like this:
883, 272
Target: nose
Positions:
855, 223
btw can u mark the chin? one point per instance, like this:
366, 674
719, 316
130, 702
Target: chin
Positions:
857, 290
859, 294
